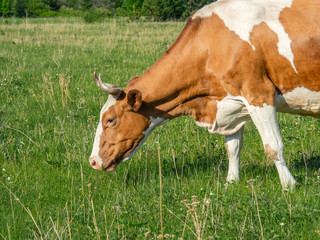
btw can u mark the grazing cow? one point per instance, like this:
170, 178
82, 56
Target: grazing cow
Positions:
235, 60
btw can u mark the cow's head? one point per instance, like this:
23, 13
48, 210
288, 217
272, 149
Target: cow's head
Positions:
122, 129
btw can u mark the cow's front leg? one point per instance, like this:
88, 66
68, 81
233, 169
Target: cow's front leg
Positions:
265, 119
233, 145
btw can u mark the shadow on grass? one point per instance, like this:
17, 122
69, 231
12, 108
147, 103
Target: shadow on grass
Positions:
203, 164
309, 161
188, 165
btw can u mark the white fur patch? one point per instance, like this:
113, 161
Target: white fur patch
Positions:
231, 115
233, 145
241, 16
155, 122
95, 149
300, 100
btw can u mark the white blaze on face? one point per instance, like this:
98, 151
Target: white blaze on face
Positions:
241, 16
95, 150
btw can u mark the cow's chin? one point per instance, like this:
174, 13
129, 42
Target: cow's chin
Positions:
115, 163
125, 156
111, 165
111, 168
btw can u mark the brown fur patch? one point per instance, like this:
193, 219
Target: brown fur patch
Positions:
271, 153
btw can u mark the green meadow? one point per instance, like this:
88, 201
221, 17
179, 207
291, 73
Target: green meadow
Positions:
173, 188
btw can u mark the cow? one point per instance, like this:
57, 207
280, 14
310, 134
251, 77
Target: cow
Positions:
234, 61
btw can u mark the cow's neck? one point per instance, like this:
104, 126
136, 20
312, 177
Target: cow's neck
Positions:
171, 83
176, 79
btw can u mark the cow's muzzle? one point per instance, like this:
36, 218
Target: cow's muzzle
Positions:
94, 164
109, 168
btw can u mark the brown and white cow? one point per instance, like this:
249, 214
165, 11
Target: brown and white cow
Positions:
235, 60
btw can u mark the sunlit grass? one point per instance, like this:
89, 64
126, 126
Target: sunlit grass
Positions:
49, 106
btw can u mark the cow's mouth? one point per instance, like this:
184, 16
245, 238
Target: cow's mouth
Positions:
115, 162
112, 165
111, 168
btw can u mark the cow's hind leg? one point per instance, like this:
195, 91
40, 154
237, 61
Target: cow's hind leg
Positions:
233, 145
265, 119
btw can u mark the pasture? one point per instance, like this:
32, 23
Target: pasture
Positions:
174, 187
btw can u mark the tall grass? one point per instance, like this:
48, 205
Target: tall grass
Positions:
49, 108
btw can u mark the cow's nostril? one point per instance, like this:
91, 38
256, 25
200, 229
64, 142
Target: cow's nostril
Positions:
94, 164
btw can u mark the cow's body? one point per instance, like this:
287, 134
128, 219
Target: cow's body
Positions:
234, 61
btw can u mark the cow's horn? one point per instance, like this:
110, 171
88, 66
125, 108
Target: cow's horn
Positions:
107, 87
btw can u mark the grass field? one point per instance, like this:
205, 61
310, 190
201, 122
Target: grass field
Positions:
49, 106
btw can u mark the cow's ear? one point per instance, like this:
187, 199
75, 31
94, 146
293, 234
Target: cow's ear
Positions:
134, 99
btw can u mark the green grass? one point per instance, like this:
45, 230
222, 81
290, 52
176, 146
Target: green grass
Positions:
49, 106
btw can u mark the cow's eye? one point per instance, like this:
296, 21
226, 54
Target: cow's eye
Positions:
109, 122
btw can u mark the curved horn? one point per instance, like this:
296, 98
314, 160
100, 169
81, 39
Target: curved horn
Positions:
107, 87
